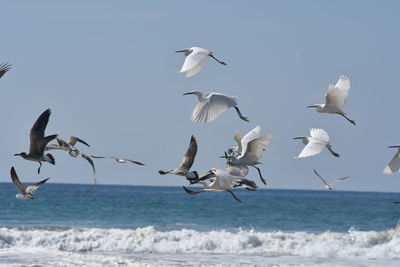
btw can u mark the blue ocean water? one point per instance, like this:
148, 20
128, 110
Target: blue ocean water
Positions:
145, 226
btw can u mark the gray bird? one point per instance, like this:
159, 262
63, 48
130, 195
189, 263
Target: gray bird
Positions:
4, 67
25, 193
38, 141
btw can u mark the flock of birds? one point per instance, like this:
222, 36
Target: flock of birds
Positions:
248, 151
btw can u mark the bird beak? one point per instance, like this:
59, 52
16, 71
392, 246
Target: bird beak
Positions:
180, 51
225, 156
190, 93
16, 154
313, 106
298, 137
396, 146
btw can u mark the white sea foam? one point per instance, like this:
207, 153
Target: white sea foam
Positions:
353, 244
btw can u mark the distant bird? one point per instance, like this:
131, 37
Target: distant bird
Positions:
25, 193
315, 143
119, 160
38, 141
196, 58
249, 150
329, 186
211, 105
4, 67
335, 98
187, 162
222, 181
394, 164
69, 146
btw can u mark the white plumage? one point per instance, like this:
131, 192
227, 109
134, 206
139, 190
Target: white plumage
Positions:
394, 164
315, 143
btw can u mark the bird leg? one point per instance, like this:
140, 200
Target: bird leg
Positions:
38, 171
220, 62
351, 121
333, 152
235, 197
192, 192
240, 115
259, 173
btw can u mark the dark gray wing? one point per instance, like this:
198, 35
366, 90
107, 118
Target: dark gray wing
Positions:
189, 156
4, 67
98, 157
192, 192
90, 162
203, 177
38, 141
72, 141
16, 181
134, 161
32, 188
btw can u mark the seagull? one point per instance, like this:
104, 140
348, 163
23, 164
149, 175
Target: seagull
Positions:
250, 148
120, 160
4, 67
329, 186
196, 58
315, 143
335, 98
222, 181
187, 162
394, 164
69, 146
38, 141
25, 193
211, 105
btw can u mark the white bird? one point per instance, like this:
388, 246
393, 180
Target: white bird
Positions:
329, 186
335, 98
250, 148
315, 143
394, 164
196, 58
211, 105
186, 164
222, 181
118, 159
24, 193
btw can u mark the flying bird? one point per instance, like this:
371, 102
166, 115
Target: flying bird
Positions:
211, 105
25, 193
4, 67
117, 159
315, 143
196, 58
221, 181
187, 162
249, 149
69, 146
329, 186
335, 98
38, 141
394, 164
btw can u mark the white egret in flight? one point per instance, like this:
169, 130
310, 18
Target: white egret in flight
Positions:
335, 98
394, 164
315, 143
329, 186
211, 105
222, 181
196, 58
249, 150
24, 193
186, 164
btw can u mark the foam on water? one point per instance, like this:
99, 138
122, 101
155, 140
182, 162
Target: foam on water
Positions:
371, 244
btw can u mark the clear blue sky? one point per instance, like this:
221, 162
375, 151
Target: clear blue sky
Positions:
108, 71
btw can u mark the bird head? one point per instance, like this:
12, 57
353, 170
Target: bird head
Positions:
21, 154
187, 51
197, 93
395, 146
319, 107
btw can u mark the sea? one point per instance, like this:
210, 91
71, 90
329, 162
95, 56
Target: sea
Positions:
110, 225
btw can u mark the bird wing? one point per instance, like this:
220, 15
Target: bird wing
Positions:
394, 164
4, 67
212, 107
257, 146
32, 188
38, 142
189, 156
337, 94
313, 147
195, 61
338, 181
134, 161
98, 157
16, 181
320, 177
238, 137
250, 136
240, 171
319, 134
90, 162
72, 141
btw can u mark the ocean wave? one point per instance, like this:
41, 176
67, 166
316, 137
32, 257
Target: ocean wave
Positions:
371, 244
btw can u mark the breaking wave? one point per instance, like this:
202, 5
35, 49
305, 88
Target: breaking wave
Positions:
371, 244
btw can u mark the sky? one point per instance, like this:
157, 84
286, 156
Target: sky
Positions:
109, 72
